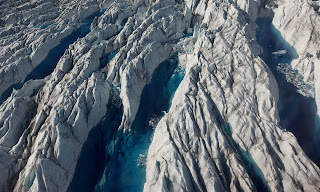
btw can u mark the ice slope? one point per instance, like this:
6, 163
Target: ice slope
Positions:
222, 132
297, 22
219, 129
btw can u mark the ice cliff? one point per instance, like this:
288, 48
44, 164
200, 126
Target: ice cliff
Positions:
165, 95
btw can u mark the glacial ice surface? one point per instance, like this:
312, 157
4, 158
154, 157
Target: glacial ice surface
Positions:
126, 169
167, 95
48, 64
298, 113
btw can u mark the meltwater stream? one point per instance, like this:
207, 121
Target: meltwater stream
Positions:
125, 170
298, 114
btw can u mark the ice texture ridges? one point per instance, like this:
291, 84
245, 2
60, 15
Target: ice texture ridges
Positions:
222, 130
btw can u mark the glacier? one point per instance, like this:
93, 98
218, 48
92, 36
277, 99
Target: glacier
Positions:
159, 95
296, 109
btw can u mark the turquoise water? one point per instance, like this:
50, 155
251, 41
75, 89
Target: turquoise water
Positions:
42, 26
125, 167
90, 166
104, 60
297, 112
186, 34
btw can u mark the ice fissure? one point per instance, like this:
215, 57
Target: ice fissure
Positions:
170, 95
125, 168
294, 107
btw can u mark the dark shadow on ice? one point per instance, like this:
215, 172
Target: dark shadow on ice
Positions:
245, 157
47, 66
105, 59
91, 163
297, 112
8, 92
125, 169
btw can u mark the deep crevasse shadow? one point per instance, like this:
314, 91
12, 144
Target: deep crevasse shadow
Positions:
125, 167
298, 114
47, 66
91, 162
250, 166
